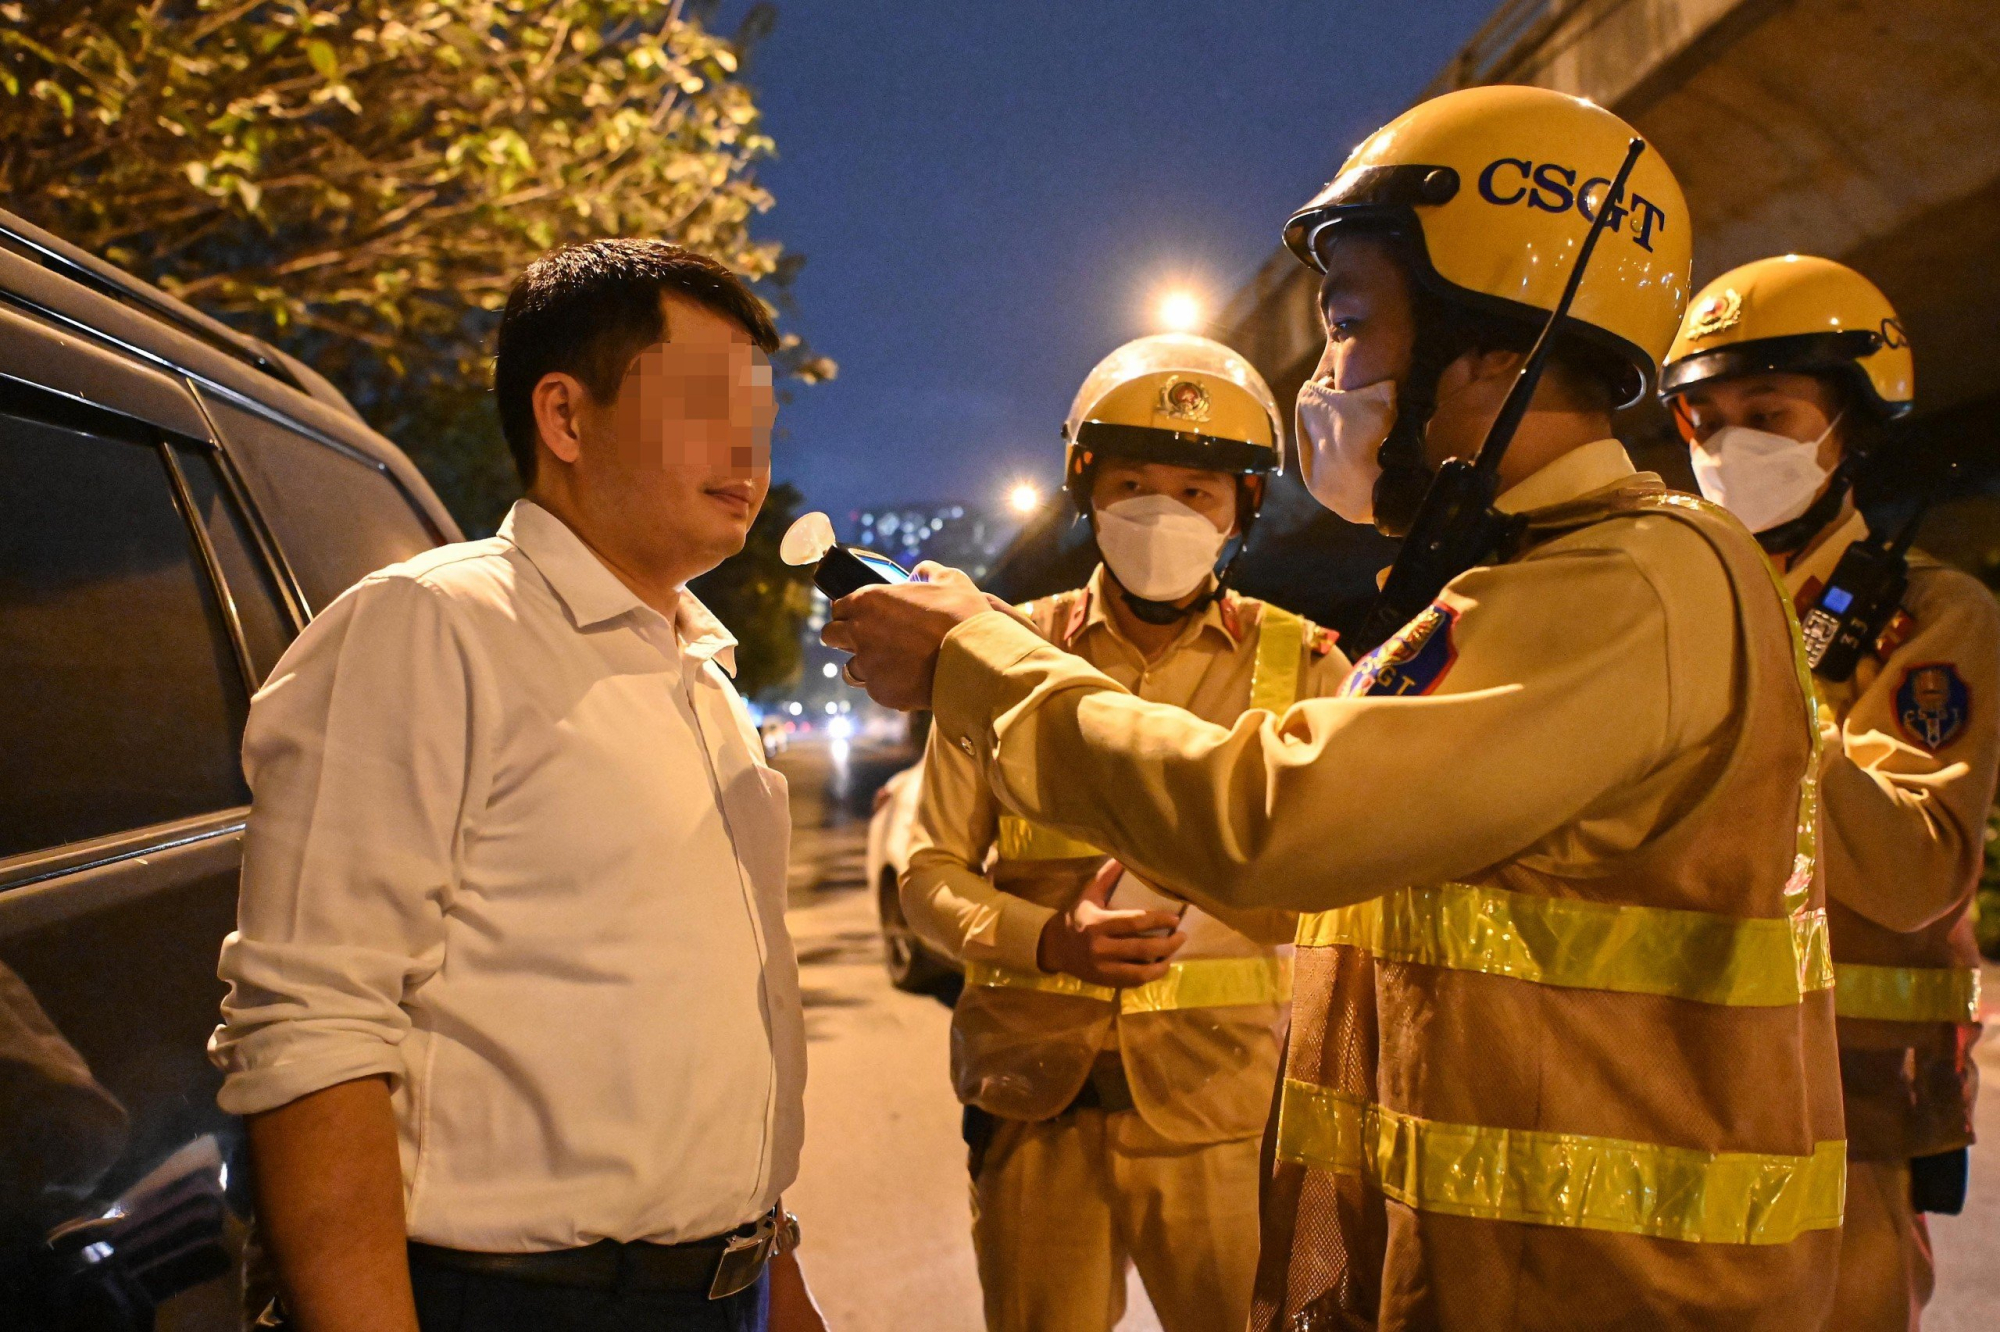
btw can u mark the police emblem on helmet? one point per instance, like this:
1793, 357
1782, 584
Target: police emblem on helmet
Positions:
1717, 314
1184, 399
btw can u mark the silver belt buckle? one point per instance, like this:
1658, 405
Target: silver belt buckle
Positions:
743, 1258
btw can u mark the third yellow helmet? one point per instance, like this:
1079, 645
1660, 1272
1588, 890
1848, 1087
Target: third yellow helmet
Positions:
1800, 314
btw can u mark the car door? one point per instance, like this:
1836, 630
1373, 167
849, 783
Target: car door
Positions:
140, 602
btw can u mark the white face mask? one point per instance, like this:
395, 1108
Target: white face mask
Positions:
1340, 432
1158, 548
1762, 478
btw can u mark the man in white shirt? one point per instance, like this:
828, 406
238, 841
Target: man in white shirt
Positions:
513, 1013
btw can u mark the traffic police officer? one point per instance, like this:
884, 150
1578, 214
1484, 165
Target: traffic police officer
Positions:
1562, 1048
1785, 377
1115, 1083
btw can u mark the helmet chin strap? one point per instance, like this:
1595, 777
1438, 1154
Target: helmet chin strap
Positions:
1406, 477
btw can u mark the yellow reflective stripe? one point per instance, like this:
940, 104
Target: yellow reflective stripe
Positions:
1906, 994
1215, 982
1022, 840
1692, 955
1209, 982
1281, 638
1564, 1179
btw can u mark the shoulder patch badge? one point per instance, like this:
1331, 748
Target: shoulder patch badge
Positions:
1411, 663
1322, 642
1932, 704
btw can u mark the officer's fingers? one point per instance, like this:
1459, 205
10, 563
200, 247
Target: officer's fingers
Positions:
1131, 973
838, 635
930, 571
1123, 948
1140, 922
1098, 890
1176, 941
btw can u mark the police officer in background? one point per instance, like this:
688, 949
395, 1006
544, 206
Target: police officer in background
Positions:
1562, 1047
1116, 1063
1784, 379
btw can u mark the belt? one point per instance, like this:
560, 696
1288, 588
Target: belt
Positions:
718, 1266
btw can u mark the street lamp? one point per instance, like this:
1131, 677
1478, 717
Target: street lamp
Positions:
1180, 311
1024, 499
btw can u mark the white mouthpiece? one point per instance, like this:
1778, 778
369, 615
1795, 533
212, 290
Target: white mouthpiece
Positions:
808, 540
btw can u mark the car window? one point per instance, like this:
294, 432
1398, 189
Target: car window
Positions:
124, 700
336, 517
267, 630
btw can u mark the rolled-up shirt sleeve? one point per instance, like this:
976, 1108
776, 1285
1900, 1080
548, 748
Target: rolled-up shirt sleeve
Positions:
358, 752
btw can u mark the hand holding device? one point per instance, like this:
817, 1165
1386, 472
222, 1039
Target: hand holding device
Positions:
1114, 947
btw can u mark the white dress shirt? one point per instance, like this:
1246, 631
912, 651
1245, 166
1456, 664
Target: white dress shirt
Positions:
513, 843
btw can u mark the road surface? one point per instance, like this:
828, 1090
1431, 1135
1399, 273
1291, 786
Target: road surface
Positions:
881, 1195
882, 1192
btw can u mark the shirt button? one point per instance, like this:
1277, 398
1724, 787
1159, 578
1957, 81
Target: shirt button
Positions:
965, 743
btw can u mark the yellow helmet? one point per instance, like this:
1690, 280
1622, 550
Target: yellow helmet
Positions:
1500, 184
1173, 398
1800, 314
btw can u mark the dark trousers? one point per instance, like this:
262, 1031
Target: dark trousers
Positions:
451, 1301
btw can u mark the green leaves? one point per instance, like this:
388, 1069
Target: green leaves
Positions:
351, 178
360, 183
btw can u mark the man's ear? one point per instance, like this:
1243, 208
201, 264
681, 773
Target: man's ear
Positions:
559, 400
1495, 364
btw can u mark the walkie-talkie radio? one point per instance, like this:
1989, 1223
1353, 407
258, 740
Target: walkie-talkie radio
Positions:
1859, 600
1457, 525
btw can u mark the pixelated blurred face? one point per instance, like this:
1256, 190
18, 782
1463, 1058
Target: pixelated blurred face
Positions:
702, 405
690, 430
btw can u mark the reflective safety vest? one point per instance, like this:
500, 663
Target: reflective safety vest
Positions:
1528, 1100
1199, 1045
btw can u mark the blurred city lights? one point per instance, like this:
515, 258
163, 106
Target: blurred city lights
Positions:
1180, 311
1024, 498
829, 670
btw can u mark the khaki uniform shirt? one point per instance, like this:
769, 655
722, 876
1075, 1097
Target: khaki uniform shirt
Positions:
1909, 770
1609, 652
1197, 1074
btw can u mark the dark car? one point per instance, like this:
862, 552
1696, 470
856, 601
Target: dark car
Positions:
176, 501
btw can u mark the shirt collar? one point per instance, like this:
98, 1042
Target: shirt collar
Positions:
593, 595
1819, 562
1579, 472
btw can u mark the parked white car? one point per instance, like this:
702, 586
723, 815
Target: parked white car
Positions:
912, 965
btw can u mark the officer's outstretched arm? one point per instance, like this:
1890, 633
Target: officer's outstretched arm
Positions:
1531, 712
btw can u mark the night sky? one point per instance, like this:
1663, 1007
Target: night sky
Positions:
991, 196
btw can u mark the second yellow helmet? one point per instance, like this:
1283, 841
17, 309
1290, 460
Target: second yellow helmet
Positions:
1173, 398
